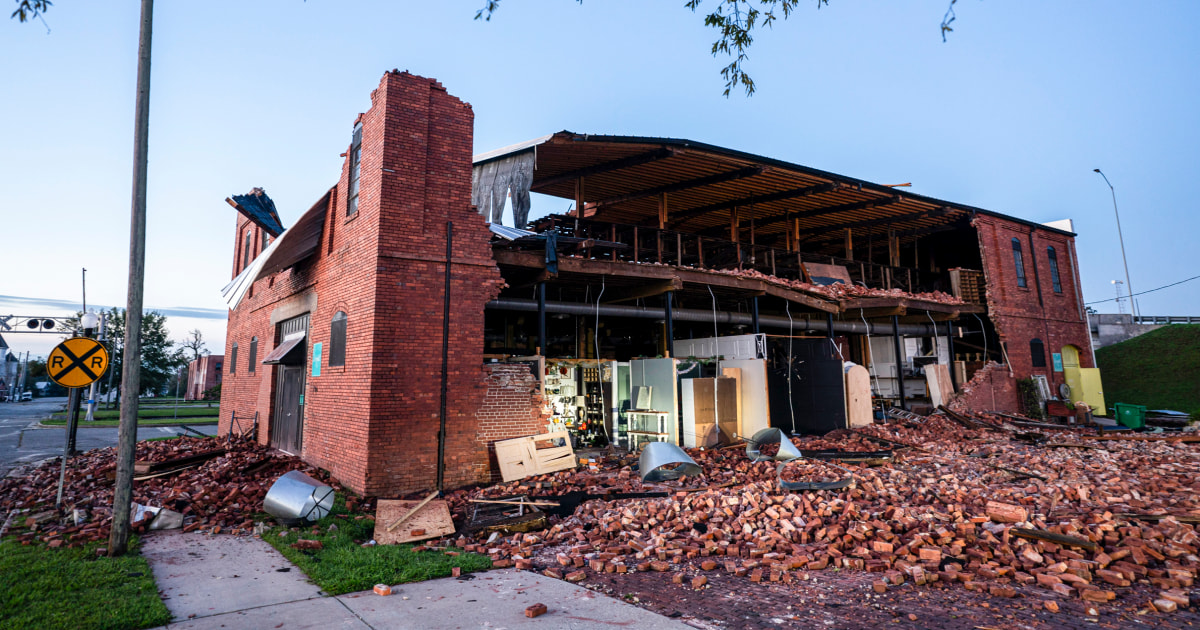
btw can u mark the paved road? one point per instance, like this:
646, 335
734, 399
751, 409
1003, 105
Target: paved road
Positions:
22, 441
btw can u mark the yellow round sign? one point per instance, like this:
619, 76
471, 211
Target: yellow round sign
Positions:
77, 362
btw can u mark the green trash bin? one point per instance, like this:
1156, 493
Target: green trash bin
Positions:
1132, 416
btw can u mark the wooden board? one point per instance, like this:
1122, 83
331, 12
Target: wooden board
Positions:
703, 424
827, 274
534, 455
434, 518
858, 397
736, 430
937, 377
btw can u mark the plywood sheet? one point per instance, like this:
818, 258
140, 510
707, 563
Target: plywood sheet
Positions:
534, 455
708, 417
858, 397
433, 518
937, 377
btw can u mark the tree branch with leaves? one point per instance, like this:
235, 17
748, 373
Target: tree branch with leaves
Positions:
736, 22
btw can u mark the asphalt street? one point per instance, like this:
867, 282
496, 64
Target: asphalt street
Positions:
22, 441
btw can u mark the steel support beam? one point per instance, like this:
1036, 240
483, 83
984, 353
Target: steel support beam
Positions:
899, 359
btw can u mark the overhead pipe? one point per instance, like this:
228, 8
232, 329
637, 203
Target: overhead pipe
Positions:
722, 317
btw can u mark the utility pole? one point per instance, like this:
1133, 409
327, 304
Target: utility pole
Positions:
131, 362
1128, 284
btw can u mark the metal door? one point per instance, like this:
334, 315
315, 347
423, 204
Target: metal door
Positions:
1070, 360
287, 423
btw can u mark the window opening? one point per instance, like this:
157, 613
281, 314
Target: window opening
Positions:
1019, 261
355, 170
337, 339
1055, 281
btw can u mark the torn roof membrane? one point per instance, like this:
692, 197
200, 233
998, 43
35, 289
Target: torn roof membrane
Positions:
260, 209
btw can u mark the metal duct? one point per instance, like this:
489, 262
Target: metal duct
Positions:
701, 315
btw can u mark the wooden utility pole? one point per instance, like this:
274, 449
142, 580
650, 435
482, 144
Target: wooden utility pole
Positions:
131, 361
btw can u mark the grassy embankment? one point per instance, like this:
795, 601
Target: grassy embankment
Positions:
1160, 369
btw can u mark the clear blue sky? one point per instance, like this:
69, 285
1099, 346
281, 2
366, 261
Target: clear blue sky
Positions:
1012, 114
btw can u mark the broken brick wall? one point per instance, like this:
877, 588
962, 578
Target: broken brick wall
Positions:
513, 407
991, 388
373, 422
1035, 311
417, 174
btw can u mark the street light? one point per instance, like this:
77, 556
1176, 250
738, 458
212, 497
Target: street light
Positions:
1128, 284
89, 321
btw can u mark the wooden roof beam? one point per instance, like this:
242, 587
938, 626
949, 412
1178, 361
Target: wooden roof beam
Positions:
649, 290
818, 212
926, 231
936, 212
679, 216
742, 173
661, 153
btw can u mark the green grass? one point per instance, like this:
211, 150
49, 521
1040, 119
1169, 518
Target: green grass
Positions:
146, 417
1160, 369
192, 421
114, 414
72, 588
344, 566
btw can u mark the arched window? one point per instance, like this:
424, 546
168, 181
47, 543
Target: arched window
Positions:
233, 359
1019, 261
355, 170
1054, 278
253, 353
337, 339
1037, 352
246, 249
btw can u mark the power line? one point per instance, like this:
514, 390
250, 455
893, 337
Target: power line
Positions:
1166, 286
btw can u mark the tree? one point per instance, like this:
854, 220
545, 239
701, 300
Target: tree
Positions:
735, 22
160, 359
194, 343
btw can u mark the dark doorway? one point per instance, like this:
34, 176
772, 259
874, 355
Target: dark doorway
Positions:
290, 355
287, 424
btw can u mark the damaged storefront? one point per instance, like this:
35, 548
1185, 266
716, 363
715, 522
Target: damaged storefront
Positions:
414, 318
734, 292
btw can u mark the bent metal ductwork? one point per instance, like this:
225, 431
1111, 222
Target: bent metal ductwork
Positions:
722, 317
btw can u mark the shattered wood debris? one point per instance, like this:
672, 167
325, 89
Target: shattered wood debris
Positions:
959, 503
217, 487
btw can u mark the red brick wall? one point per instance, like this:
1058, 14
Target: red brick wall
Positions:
422, 180
990, 389
1035, 311
203, 375
373, 423
511, 408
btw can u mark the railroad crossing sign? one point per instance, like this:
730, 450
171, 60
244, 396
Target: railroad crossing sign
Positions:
77, 362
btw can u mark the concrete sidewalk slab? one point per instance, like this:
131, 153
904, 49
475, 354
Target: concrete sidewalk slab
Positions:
322, 613
497, 599
213, 582
201, 575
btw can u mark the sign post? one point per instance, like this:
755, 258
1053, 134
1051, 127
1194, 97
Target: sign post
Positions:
74, 364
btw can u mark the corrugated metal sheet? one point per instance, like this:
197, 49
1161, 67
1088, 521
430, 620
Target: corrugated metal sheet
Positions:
260, 209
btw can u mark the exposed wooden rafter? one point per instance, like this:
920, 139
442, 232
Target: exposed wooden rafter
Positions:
680, 216
741, 173
596, 169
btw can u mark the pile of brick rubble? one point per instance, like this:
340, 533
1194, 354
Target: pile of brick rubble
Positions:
947, 510
219, 495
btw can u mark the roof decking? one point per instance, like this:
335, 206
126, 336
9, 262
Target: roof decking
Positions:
624, 179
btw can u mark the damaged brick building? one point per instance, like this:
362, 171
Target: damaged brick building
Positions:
334, 347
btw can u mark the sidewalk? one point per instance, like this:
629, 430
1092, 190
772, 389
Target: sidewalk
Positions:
216, 582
